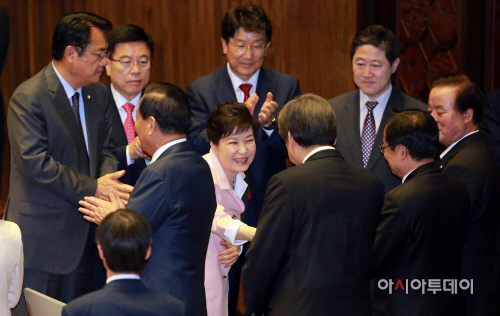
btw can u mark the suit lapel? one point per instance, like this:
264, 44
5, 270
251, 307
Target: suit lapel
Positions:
63, 108
351, 132
89, 98
225, 91
461, 144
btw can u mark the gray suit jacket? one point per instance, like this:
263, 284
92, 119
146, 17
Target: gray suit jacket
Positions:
51, 170
346, 107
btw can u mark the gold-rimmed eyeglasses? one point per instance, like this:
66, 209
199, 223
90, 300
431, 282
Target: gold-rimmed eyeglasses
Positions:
127, 62
258, 49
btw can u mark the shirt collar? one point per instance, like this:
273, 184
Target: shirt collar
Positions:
406, 175
236, 81
122, 277
120, 100
317, 150
67, 87
382, 99
452, 145
160, 150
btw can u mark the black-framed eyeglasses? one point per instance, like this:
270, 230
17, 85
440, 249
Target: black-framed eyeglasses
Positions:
127, 62
382, 148
257, 49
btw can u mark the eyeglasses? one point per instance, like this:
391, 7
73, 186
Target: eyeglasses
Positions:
382, 148
100, 56
258, 49
127, 62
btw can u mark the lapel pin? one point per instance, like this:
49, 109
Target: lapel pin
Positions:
88, 97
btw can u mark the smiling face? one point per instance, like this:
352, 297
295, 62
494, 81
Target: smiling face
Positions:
245, 64
236, 152
372, 71
129, 82
451, 124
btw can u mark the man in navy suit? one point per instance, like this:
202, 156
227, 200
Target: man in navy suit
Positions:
375, 57
246, 36
130, 50
124, 242
175, 193
456, 103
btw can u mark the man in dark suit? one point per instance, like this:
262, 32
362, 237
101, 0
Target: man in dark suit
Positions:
124, 242
424, 223
246, 36
175, 193
130, 50
457, 105
317, 262
61, 151
362, 114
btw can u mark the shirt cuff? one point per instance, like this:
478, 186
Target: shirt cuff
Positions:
268, 132
232, 230
129, 162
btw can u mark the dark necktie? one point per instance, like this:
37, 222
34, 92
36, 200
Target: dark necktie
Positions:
245, 87
76, 110
369, 132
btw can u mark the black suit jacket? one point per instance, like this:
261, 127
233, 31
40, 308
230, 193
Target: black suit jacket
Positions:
176, 194
125, 297
51, 170
310, 255
472, 161
207, 92
346, 107
421, 235
120, 141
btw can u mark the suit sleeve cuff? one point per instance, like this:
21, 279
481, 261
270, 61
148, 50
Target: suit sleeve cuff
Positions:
129, 162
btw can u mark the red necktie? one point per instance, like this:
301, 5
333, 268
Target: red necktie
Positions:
245, 87
369, 131
129, 124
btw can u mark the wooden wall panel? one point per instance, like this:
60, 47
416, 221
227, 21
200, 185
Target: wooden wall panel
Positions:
311, 40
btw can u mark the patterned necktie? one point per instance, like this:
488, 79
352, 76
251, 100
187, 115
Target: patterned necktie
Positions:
369, 131
245, 87
129, 124
76, 110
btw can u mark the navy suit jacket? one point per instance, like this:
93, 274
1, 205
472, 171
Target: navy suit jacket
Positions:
125, 297
120, 141
421, 235
51, 170
472, 161
346, 107
310, 255
205, 93
176, 194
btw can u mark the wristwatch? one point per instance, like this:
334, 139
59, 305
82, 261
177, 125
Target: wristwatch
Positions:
271, 125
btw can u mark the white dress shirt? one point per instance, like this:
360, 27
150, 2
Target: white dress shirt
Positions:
378, 111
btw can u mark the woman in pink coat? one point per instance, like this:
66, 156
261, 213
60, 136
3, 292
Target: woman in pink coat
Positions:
232, 150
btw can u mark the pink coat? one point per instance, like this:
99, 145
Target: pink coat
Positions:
229, 208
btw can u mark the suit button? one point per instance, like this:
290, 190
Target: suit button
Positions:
441, 166
224, 277
234, 216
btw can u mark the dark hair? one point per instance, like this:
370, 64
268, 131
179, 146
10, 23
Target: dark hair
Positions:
468, 94
125, 237
228, 118
252, 18
379, 37
169, 106
417, 131
309, 119
127, 34
74, 30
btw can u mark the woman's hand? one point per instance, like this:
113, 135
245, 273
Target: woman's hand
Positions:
228, 256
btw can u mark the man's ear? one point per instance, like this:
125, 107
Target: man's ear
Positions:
70, 53
403, 150
395, 65
152, 126
148, 253
101, 255
224, 45
468, 115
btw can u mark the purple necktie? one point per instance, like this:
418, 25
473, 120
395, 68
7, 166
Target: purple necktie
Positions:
369, 132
